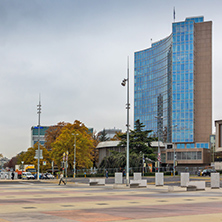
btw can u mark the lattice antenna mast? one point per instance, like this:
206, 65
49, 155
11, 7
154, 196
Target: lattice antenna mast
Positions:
39, 112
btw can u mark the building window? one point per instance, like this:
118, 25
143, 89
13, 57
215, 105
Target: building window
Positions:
185, 155
170, 156
199, 155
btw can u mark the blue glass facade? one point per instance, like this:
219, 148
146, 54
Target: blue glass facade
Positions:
152, 73
183, 80
164, 85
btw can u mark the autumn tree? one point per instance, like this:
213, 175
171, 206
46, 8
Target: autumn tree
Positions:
65, 142
12, 162
28, 158
52, 133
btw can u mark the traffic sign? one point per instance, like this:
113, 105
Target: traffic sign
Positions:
38, 154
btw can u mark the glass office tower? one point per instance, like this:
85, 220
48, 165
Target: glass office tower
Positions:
152, 74
168, 83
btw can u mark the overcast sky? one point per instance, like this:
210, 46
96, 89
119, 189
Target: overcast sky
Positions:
74, 53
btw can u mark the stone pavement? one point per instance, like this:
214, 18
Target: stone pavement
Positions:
44, 201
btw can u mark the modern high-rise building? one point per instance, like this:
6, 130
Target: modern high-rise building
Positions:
35, 137
173, 89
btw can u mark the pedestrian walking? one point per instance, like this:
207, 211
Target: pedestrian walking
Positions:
13, 175
124, 173
107, 174
61, 179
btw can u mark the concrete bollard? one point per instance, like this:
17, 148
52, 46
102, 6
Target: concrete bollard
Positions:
118, 178
215, 181
184, 179
159, 179
137, 176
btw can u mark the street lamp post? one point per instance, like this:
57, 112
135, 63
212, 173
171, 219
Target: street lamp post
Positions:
174, 159
143, 163
22, 165
67, 154
158, 134
127, 125
174, 155
74, 161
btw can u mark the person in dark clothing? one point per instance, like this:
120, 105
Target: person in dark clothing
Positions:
107, 174
124, 173
13, 175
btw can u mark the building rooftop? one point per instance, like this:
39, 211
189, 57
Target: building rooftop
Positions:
108, 144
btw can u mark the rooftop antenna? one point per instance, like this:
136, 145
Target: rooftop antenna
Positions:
39, 112
174, 14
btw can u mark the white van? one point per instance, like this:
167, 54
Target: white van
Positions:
27, 176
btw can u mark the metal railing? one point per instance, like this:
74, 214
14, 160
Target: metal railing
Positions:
112, 171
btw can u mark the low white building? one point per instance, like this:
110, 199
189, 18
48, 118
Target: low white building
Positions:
104, 149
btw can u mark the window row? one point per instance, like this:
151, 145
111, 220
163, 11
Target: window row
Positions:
159, 52
186, 136
183, 95
182, 27
182, 67
182, 57
182, 37
183, 115
202, 145
192, 155
183, 140
180, 76
189, 145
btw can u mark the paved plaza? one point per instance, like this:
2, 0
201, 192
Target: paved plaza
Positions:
46, 201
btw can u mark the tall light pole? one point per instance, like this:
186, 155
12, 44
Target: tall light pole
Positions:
22, 165
74, 160
158, 134
174, 155
127, 124
38, 112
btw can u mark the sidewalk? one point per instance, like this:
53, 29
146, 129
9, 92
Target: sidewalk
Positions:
46, 201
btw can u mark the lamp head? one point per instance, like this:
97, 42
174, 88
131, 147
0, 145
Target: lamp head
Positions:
123, 83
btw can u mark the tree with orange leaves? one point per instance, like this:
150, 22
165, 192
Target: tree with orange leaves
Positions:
52, 133
65, 142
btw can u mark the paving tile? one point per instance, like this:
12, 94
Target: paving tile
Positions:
50, 202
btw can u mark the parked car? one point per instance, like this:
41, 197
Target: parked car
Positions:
40, 176
45, 176
206, 172
27, 176
49, 176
